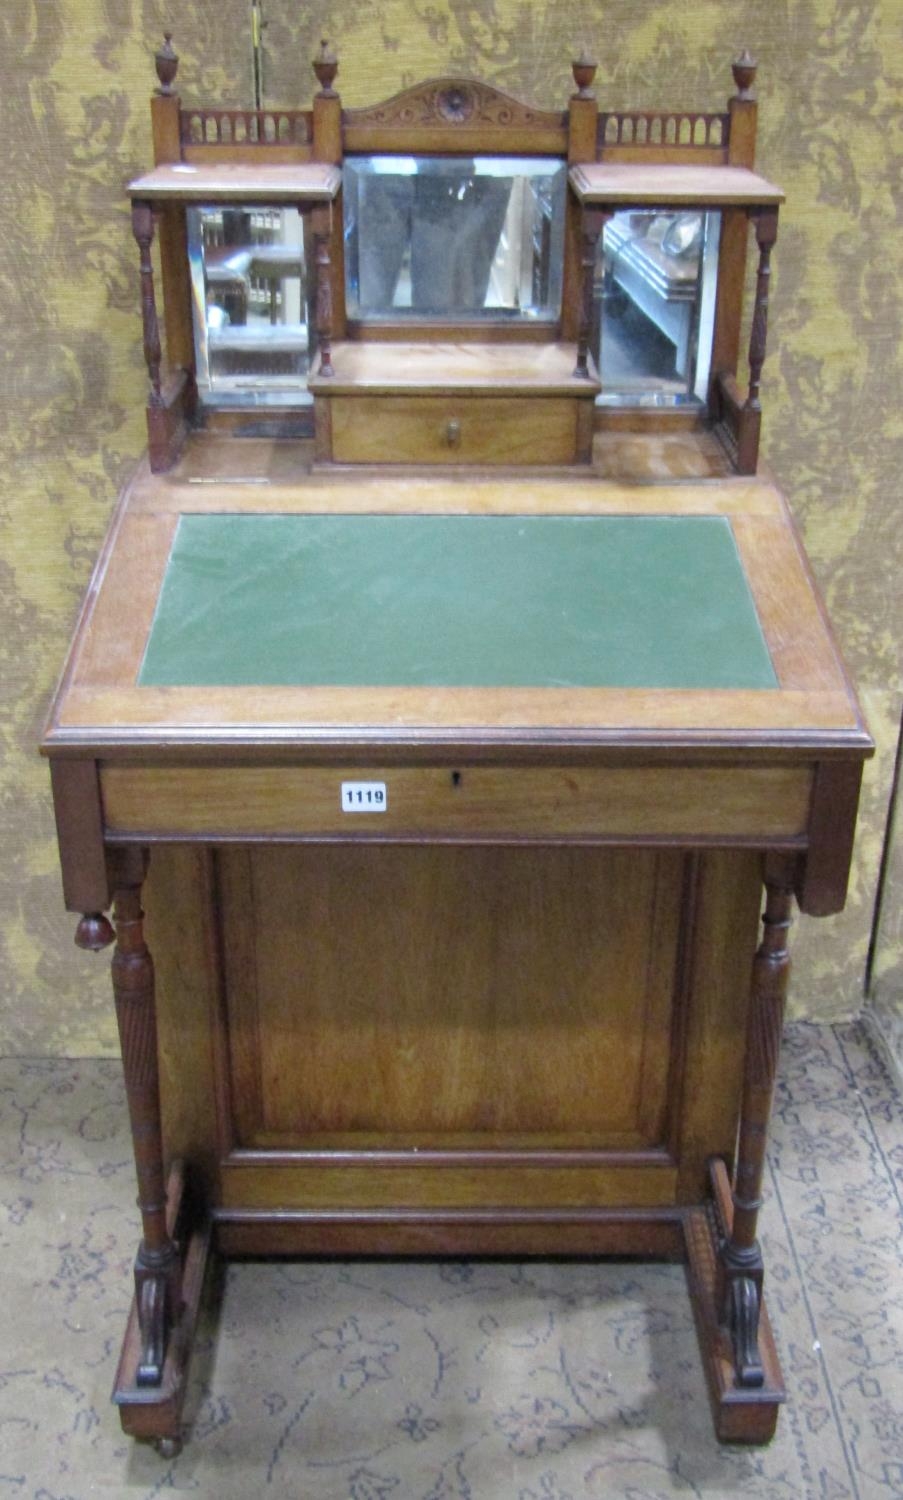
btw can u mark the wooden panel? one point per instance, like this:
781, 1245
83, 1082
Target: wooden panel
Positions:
654, 1233
370, 367
472, 329
254, 156
256, 474
483, 802
454, 116
451, 997
179, 900
456, 140
176, 287
692, 156
444, 1187
453, 429
79, 831
757, 720
822, 890
800, 643
729, 293
725, 934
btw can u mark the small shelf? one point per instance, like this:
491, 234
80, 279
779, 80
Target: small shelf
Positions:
182, 182
435, 369
665, 186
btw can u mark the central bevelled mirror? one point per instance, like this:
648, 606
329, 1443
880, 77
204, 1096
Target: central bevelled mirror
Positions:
454, 238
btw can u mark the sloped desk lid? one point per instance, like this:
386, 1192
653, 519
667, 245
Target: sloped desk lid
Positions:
664, 186
455, 601
106, 699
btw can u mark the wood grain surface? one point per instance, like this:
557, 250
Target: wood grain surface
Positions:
767, 802
667, 185
453, 429
438, 369
237, 182
99, 703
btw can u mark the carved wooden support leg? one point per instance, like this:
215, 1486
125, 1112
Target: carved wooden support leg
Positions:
766, 224
322, 228
152, 1376
157, 1265
594, 221
143, 230
740, 1258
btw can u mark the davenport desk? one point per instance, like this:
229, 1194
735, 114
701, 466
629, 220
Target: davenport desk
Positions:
450, 794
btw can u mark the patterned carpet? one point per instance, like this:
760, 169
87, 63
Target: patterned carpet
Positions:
457, 1381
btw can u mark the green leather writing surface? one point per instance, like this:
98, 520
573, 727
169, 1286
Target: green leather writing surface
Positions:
452, 601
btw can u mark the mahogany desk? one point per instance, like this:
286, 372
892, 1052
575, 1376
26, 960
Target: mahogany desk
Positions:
506, 1008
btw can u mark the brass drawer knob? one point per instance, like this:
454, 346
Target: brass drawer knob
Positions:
453, 432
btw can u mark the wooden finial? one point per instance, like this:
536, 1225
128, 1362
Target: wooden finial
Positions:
584, 71
326, 65
93, 932
166, 62
744, 71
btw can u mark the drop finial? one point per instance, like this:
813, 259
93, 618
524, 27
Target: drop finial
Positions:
94, 932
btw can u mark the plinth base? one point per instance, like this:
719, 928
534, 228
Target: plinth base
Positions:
741, 1414
155, 1412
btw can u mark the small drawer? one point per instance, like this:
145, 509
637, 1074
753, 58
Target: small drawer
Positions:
454, 430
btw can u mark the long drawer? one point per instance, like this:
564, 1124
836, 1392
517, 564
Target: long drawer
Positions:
469, 803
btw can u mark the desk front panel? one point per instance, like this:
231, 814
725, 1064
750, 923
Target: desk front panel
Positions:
462, 1030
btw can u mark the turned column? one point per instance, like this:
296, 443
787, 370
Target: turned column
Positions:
157, 1268
766, 227
740, 1259
143, 230
321, 224
766, 224
592, 224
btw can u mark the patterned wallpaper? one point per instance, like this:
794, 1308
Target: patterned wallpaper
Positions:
74, 83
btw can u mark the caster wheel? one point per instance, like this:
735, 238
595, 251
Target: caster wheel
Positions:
169, 1447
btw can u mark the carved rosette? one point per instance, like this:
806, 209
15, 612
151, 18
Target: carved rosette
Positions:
455, 104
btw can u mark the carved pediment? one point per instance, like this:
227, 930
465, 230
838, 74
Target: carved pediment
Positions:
455, 102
